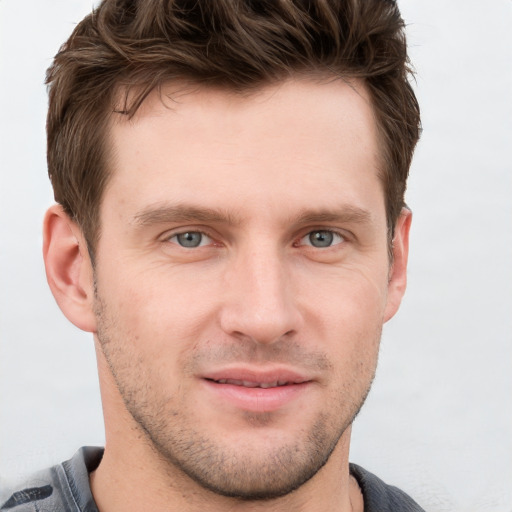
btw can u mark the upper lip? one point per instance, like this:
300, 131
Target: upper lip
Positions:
254, 377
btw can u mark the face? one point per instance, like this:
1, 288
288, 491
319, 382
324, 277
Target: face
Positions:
242, 278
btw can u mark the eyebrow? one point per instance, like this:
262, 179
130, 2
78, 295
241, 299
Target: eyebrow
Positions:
344, 214
166, 213
163, 213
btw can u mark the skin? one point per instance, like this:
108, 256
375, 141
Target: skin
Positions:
291, 280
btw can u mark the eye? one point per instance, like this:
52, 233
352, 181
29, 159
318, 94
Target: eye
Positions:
322, 238
191, 239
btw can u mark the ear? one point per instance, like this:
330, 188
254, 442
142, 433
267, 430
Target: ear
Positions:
68, 268
398, 270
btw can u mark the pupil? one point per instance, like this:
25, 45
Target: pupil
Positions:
192, 239
321, 238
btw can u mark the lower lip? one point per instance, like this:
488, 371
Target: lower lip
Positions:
257, 399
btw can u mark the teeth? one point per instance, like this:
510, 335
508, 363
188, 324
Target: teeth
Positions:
251, 384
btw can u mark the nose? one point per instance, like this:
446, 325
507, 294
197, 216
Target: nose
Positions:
260, 304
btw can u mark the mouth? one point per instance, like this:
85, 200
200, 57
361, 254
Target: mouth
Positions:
256, 391
254, 384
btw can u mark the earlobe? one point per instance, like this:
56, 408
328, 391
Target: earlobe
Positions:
68, 268
398, 271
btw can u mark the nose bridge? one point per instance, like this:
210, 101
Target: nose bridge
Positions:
260, 303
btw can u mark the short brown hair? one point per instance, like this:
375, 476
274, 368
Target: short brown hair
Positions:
137, 45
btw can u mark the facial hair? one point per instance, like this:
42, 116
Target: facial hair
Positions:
186, 445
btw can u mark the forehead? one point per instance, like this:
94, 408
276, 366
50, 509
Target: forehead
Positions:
294, 99
278, 143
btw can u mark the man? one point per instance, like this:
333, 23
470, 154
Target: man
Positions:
231, 228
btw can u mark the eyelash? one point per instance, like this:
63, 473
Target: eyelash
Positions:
333, 233
298, 243
190, 232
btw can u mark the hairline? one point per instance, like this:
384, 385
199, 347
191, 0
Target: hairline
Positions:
133, 104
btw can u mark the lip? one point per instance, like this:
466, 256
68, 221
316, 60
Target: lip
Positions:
256, 390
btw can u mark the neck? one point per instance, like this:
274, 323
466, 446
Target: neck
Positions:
134, 477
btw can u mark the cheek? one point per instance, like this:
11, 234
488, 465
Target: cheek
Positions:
347, 320
161, 314
351, 298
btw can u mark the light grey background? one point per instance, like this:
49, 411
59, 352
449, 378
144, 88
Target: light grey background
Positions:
438, 422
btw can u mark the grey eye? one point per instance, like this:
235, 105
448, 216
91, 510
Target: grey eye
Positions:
189, 239
321, 238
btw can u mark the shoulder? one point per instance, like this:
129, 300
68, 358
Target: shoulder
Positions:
381, 497
64, 487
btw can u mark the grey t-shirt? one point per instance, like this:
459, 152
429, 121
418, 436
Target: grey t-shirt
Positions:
65, 488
